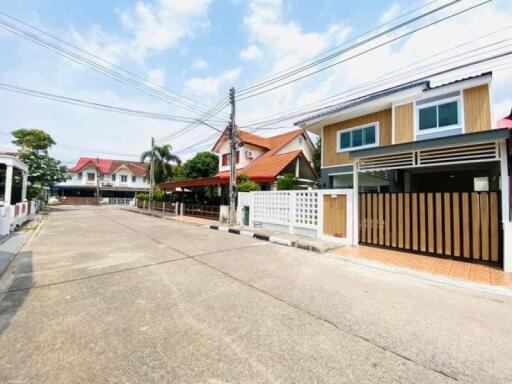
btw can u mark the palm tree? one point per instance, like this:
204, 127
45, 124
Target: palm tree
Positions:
163, 157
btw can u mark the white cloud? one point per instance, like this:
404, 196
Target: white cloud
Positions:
252, 52
157, 76
151, 27
210, 85
200, 63
390, 13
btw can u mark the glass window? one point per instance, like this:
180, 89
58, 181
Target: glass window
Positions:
79, 175
124, 178
369, 135
345, 140
134, 179
90, 176
113, 177
448, 114
438, 116
428, 118
359, 137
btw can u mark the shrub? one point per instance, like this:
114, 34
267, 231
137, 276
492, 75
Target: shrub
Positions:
287, 182
246, 185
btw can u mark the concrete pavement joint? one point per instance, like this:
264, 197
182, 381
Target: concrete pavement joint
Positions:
327, 321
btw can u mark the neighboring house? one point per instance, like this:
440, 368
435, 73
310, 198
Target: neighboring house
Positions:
431, 168
262, 159
114, 178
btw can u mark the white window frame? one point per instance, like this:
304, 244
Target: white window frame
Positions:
377, 137
125, 177
460, 116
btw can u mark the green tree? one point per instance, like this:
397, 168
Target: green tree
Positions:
287, 182
317, 155
246, 185
43, 170
35, 140
162, 162
203, 164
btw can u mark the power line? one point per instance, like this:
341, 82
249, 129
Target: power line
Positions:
284, 76
79, 59
99, 106
363, 52
390, 77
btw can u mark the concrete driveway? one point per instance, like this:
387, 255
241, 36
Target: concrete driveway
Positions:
109, 296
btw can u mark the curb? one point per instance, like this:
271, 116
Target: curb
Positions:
272, 239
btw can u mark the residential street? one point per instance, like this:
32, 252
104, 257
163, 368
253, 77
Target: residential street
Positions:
110, 296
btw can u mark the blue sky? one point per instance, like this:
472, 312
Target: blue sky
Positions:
199, 48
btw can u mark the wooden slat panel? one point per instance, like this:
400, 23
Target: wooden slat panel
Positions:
430, 222
475, 208
477, 111
387, 220
448, 207
362, 206
465, 226
335, 215
381, 219
369, 222
439, 222
457, 251
393, 220
484, 206
375, 220
422, 223
494, 218
404, 123
415, 224
407, 221
400, 220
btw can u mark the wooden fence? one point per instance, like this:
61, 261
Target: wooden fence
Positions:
462, 225
204, 211
78, 200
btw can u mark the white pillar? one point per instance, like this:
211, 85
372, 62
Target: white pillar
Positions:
505, 208
355, 204
8, 185
24, 187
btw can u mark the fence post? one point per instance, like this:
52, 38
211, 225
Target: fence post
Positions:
182, 209
143, 204
163, 206
291, 218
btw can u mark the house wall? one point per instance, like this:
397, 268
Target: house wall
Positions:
477, 109
244, 160
297, 143
404, 121
107, 179
330, 156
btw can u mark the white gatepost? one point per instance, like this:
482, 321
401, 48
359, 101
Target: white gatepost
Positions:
505, 208
24, 187
8, 185
355, 205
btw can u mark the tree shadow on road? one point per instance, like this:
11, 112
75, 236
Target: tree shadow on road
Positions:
15, 287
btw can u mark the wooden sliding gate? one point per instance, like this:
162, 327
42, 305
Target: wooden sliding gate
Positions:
463, 225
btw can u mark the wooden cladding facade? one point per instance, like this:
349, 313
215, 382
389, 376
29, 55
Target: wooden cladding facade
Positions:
330, 155
477, 109
464, 225
404, 123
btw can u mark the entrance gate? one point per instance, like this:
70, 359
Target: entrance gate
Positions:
462, 225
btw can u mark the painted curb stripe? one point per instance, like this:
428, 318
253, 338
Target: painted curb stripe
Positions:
224, 229
247, 234
278, 240
233, 230
214, 227
261, 237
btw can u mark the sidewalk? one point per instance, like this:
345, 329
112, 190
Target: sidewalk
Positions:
9, 245
463, 270
171, 216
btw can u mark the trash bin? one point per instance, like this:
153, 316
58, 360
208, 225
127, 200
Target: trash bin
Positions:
245, 216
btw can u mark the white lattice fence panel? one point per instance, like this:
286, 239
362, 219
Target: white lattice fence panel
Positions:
244, 199
306, 208
272, 207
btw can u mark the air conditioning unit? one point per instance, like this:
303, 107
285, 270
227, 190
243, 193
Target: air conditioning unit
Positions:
249, 154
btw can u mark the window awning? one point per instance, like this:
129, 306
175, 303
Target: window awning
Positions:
189, 183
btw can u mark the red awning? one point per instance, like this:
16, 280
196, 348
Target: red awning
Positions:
188, 183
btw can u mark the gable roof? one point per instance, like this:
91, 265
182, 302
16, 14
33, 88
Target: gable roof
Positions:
422, 83
108, 166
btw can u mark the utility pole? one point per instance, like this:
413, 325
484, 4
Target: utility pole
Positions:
233, 139
152, 173
98, 180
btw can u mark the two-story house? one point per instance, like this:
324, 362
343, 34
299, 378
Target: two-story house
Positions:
430, 168
113, 178
263, 159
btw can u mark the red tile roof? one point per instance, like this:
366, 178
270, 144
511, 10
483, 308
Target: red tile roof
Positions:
108, 166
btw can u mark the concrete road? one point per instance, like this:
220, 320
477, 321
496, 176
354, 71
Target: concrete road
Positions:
109, 296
